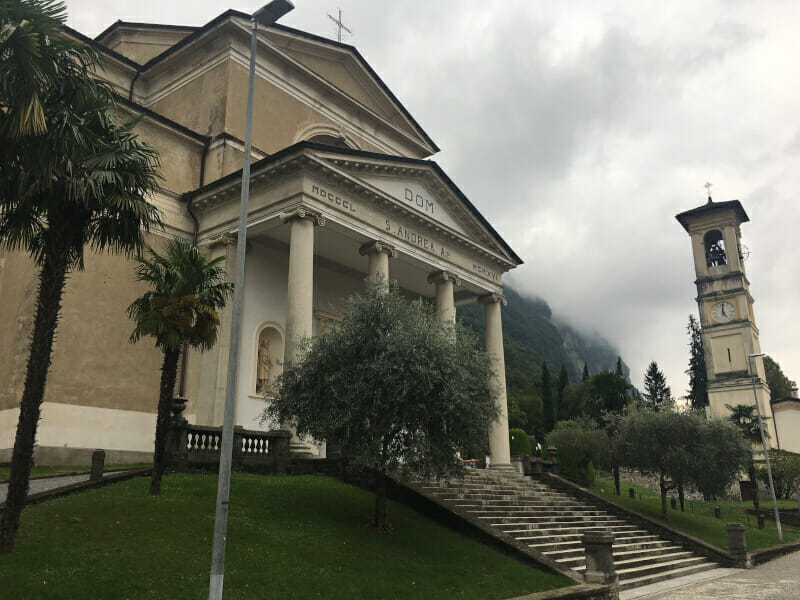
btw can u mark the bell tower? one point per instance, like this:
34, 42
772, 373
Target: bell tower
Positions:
726, 309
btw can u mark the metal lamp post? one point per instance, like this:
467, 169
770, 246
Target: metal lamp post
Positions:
266, 15
750, 357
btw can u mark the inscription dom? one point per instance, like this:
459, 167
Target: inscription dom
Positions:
419, 201
333, 198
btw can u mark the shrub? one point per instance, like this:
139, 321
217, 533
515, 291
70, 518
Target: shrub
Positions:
785, 467
520, 442
579, 444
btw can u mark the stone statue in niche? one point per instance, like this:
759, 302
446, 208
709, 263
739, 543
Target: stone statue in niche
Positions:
263, 382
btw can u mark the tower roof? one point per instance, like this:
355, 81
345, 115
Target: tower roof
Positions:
710, 208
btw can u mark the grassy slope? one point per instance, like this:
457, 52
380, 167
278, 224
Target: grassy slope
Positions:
289, 538
698, 520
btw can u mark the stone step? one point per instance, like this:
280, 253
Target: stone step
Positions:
643, 580
552, 522
652, 569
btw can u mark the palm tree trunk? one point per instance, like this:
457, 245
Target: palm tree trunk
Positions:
169, 372
48, 306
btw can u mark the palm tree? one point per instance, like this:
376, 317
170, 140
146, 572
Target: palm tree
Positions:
77, 178
181, 308
30, 42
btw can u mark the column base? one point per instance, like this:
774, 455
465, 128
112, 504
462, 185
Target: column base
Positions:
502, 467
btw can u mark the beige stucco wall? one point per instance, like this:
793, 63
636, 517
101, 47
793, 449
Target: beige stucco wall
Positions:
201, 103
787, 421
277, 116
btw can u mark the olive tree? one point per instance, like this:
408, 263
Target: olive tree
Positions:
396, 389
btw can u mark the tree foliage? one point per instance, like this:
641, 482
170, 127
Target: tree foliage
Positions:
785, 470
698, 376
657, 395
681, 448
579, 443
780, 386
392, 386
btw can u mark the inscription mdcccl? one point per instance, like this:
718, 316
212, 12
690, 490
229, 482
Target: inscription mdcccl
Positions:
331, 197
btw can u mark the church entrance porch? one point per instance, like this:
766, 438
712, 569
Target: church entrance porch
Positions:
316, 232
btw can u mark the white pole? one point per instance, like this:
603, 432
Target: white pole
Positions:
764, 445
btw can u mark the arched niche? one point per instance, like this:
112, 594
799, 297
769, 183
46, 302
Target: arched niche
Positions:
715, 248
328, 135
268, 358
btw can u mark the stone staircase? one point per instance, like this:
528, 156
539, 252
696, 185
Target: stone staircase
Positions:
552, 522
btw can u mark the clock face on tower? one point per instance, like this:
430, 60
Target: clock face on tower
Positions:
723, 312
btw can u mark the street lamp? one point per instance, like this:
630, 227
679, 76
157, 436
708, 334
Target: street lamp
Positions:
266, 15
751, 365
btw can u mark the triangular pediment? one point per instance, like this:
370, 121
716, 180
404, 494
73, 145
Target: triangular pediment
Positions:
341, 66
421, 188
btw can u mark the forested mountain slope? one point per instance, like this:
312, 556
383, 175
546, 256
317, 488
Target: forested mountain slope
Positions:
531, 336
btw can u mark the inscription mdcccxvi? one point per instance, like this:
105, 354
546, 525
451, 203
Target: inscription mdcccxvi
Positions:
404, 233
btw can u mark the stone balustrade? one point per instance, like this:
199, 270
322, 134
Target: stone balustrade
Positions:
197, 447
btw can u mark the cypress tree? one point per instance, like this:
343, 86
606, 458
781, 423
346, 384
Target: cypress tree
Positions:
585, 372
698, 377
563, 382
619, 367
547, 400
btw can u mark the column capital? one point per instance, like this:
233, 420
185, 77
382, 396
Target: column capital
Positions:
223, 239
376, 247
438, 276
303, 213
493, 298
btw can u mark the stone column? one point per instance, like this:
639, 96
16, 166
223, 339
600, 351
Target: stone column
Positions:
300, 287
379, 254
214, 361
499, 449
445, 301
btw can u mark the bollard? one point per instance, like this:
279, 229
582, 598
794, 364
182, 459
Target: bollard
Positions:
632, 493
760, 518
673, 503
717, 512
737, 543
599, 557
98, 460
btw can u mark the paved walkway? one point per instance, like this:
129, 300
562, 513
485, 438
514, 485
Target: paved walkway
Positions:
778, 579
51, 483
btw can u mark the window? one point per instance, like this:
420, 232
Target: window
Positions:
715, 248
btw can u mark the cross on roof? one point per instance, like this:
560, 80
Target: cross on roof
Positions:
339, 24
708, 189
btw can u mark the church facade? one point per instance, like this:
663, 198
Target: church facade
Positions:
342, 188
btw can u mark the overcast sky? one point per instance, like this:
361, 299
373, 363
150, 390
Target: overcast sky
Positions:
580, 129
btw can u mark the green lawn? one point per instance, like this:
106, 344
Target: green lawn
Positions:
698, 520
289, 538
6, 471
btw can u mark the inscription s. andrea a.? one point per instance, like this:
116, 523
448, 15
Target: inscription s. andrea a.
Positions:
331, 197
417, 239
